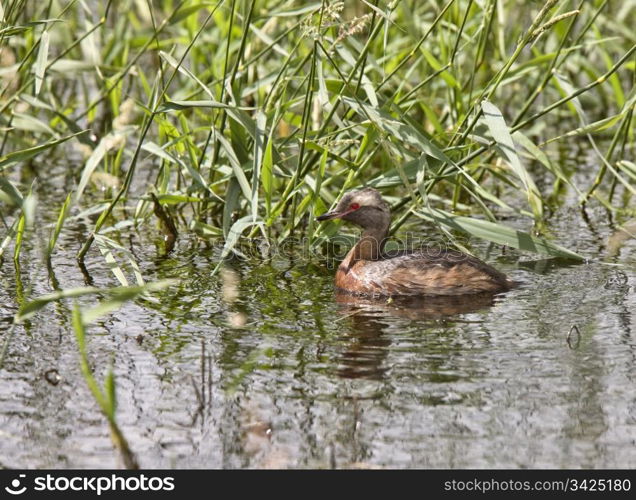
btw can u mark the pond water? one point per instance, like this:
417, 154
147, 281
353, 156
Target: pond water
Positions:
262, 365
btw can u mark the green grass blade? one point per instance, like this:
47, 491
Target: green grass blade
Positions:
105, 245
58, 225
80, 337
33, 306
501, 134
235, 233
27, 154
41, 61
93, 161
153, 148
267, 175
237, 168
13, 192
261, 123
120, 295
19, 236
497, 233
181, 105
401, 130
11, 232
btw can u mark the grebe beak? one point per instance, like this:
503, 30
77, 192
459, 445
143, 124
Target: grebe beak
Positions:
336, 215
328, 216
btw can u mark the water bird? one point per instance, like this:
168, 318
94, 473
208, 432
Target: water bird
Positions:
371, 271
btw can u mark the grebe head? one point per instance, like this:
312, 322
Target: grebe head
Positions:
364, 207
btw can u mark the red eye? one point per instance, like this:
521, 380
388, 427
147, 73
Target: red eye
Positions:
354, 206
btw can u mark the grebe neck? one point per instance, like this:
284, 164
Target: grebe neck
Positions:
371, 244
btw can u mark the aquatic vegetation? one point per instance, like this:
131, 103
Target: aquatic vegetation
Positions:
257, 115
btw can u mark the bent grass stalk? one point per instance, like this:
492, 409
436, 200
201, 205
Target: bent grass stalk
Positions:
105, 396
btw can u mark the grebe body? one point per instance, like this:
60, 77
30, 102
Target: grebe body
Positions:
369, 270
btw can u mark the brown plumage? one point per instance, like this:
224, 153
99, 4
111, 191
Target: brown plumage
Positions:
368, 270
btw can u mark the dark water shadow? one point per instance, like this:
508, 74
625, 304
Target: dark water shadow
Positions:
369, 319
415, 308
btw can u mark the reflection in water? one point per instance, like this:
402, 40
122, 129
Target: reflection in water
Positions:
415, 308
368, 318
618, 238
366, 348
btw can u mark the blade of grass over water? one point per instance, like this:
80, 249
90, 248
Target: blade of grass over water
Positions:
506, 146
28, 153
12, 191
58, 226
106, 396
497, 233
116, 294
